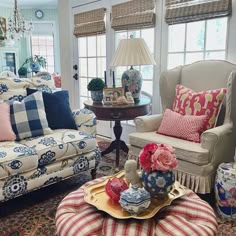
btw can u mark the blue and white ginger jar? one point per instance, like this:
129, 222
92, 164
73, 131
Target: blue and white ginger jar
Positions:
135, 200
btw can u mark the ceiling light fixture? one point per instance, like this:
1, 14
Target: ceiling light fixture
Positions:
17, 26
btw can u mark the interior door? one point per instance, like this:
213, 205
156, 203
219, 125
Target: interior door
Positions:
90, 61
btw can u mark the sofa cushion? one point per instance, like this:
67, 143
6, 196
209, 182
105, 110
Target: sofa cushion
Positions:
57, 104
28, 117
184, 150
182, 126
61, 144
189, 102
6, 132
16, 158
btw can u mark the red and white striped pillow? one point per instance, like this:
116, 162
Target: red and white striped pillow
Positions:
186, 127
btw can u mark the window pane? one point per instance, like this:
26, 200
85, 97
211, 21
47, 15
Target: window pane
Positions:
215, 55
147, 72
92, 46
147, 86
101, 48
216, 34
148, 36
40, 47
83, 67
82, 100
101, 62
92, 67
192, 57
120, 70
176, 38
175, 59
134, 33
195, 36
82, 47
83, 87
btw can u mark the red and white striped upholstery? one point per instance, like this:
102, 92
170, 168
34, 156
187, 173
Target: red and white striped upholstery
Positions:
186, 216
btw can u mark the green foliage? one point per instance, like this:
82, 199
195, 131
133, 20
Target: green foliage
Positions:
36, 59
22, 71
96, 84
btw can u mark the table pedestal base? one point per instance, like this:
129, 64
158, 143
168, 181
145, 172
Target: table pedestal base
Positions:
117, 144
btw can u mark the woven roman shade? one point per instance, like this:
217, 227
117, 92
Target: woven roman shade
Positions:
89, 23
133, 14
183, 11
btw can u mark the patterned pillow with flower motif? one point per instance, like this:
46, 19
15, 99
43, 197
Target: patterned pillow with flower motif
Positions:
189, 102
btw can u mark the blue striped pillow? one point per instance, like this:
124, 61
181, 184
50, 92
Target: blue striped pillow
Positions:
28, 117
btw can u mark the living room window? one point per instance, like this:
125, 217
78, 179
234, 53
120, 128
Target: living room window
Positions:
42, 43
92, 62
197, 41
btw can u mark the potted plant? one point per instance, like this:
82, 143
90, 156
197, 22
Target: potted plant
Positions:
36, 62
96, 87
22, 72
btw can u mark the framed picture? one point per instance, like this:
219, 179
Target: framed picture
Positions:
3, 28
107, 99
111, 94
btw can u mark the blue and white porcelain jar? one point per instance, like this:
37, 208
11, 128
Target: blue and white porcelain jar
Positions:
135, 200
225, 190
97, 96
158, 183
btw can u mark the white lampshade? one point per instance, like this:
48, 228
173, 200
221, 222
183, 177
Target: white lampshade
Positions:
133, 52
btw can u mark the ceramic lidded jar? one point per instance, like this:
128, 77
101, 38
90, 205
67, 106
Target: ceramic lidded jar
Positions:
135, 200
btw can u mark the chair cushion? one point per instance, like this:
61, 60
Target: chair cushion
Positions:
6, 132
61, 144
57, 108
16, 158
185, 150
188, 102
28, 117
182, 126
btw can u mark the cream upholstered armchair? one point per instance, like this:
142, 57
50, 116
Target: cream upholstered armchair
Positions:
198, 162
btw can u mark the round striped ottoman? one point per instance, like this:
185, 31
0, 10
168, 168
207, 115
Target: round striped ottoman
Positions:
188, 215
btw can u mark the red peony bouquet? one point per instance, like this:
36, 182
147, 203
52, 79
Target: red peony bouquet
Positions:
157, 157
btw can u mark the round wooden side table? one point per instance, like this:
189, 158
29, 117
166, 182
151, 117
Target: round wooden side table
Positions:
118, 113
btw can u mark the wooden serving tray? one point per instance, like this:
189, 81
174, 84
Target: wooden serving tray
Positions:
96, 196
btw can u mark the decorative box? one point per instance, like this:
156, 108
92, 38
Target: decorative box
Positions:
135, 200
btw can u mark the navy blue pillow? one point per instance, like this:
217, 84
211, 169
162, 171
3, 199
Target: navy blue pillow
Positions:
57, 108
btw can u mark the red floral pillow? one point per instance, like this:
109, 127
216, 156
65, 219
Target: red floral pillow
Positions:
189, 102
182, 126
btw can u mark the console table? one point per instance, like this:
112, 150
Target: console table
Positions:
118, 113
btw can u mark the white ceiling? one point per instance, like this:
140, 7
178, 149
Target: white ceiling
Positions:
30, 3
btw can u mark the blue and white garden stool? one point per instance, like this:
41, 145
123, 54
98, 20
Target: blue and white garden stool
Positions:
225, 190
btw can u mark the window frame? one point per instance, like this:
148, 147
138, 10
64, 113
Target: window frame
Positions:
204, 51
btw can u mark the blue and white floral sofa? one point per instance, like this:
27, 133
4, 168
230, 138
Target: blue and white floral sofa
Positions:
35, 162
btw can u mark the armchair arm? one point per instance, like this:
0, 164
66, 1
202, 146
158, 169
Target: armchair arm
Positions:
220, 143
148, 123
85, 120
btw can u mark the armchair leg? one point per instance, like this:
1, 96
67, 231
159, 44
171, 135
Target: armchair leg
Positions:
93, 173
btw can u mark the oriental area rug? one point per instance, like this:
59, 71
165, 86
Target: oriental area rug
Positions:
33, 214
